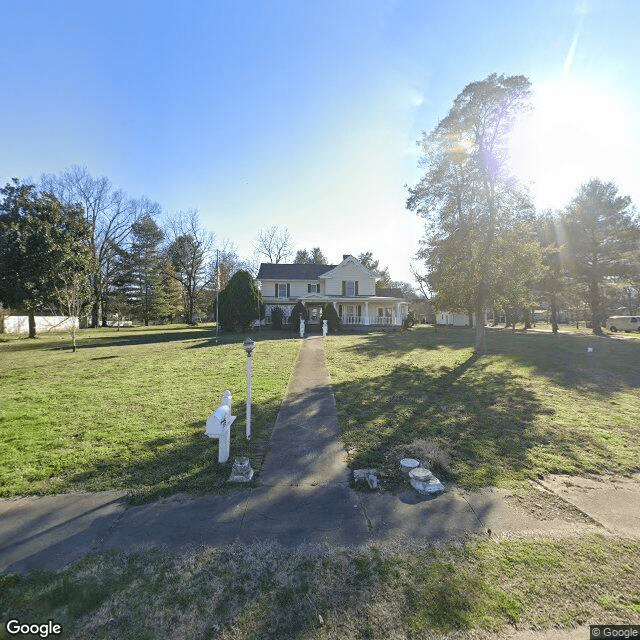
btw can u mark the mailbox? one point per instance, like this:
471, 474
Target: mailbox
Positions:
219, 426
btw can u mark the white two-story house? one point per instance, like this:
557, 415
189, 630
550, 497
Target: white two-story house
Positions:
348, 286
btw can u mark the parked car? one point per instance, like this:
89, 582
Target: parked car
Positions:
623, 323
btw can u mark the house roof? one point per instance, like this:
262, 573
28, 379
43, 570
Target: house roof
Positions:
269, 271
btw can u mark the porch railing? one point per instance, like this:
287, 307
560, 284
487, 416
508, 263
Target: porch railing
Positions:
373, 320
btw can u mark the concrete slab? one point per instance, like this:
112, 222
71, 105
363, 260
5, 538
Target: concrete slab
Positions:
307, 514
305, 444
409, 515
498, 514
50, 532
614, 502
176, 523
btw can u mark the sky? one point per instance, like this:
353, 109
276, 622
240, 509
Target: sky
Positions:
306, 114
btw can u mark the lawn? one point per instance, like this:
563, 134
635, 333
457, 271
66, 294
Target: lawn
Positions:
535, 404
263, 592
128, 409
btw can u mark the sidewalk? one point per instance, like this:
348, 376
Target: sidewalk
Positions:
304, 497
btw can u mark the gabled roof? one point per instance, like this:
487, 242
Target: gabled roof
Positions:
269, 271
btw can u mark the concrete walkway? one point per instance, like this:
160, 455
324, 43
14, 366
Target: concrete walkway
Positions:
304, 497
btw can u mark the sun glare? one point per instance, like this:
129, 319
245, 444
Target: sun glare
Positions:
574, 132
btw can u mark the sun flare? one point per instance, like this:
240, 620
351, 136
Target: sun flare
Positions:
574, 132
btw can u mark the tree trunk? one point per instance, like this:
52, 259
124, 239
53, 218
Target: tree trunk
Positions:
554, 314
95, 314
480, 346
594, 302
104, 311
527, 318
32, 324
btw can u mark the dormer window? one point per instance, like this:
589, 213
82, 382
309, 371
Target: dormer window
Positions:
312, 288
349, 288
282, 290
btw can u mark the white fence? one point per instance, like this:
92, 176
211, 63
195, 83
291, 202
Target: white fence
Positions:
20, 324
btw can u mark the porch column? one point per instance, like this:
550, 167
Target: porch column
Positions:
398, 319
366, 312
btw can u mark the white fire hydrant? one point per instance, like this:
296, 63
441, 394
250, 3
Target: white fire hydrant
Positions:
219, 426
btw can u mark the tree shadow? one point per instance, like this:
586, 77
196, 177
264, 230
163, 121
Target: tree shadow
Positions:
483, 419
404, 342
602, 364
183, 463
111, 337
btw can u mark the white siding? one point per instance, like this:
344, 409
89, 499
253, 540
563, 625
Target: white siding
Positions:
352, 272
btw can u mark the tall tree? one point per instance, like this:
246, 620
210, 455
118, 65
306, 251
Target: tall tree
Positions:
383, 278
109, 214
467, 196
40, 239
191, 254
553, 283
602, 234
314, 256
274, 244
240, 302
140, 267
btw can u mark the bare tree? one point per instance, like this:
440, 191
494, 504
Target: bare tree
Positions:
109, 214
190, 251
74, 295
274, 244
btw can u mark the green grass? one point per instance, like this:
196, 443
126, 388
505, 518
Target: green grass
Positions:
535, 404
263, 591
127, 410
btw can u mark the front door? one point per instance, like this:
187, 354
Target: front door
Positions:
315, 313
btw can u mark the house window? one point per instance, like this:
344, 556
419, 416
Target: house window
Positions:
349, 288
282, 291
312, 288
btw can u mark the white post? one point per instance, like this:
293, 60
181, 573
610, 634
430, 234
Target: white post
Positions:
302, 327
366, 312
249, 345
249, 375
324, 328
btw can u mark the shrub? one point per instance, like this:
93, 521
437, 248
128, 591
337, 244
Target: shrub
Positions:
240, 302
330, 314
299, 311
277, 318
409, 321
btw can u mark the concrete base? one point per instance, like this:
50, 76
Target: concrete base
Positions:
241, 471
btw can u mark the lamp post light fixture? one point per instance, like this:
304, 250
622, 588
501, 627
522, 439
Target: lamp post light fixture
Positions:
249, 345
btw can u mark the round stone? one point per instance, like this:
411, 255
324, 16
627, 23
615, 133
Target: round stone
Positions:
407, 464
421, 474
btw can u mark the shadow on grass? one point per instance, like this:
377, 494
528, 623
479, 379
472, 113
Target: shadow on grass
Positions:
601, 364
483, 419
400, 343
185, 463
110, 337
611, 365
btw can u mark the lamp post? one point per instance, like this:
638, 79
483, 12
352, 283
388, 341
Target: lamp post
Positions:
249, 346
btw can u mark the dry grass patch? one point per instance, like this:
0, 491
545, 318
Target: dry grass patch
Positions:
408, 591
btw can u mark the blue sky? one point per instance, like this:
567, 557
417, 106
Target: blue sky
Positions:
306, 114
